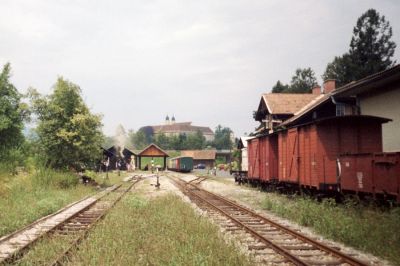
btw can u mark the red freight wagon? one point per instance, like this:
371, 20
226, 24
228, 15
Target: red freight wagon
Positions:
268, 146
308, 153
254, 157
377, 174
288, 156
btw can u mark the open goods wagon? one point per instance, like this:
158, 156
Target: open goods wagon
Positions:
181, 164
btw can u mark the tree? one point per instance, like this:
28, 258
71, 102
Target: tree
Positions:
69, 134
138, 139
371, 50
222, 139
303, 81
195, 141
340, 69
162, 141
279, 87
12, 113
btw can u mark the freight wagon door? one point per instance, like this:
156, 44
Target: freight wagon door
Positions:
253, 159
293, 155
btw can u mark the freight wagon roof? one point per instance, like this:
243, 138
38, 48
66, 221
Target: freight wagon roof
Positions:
286, 103
200, 154
354, 118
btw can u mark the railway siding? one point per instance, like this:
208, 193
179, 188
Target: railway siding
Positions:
251, 227
65, 220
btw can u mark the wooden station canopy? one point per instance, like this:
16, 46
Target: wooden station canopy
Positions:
152, 151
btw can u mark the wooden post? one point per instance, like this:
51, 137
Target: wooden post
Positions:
140, 162
165, 163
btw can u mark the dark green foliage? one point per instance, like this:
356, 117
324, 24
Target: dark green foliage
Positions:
302, 82
69, 134
11, 113
371, 50
279, 87
138, 139
340, 69
194, 141
222, 138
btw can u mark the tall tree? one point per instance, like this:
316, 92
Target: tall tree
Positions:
280, 87
340, 69
69, 133
303, 81
371, 50
11, 112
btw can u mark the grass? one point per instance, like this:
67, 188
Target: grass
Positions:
161, 231
27, 197
366, 228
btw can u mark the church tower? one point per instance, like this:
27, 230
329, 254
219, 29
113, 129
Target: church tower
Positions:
167, 122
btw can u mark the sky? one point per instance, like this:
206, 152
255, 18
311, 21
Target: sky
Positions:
202, 61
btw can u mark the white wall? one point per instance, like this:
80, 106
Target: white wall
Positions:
385, 104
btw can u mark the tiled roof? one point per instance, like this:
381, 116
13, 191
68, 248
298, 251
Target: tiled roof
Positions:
287, 103
181, 127
200, 154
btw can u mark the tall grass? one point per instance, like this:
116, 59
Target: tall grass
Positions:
45, 178
26, 197
367, 228
163, 231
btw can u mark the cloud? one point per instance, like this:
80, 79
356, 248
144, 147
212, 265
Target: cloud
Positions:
205, 61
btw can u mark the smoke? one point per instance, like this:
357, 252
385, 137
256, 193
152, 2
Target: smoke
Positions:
121, 138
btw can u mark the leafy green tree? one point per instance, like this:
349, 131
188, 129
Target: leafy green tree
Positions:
303, 81
340, 69
138, 139
280, 87
222, 139
108, 141
371, 50
12, 113
69, 134
195, 141
162, 141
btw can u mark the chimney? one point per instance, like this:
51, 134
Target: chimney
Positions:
316, 89
329, 85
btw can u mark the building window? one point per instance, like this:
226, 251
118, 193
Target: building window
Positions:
340, 109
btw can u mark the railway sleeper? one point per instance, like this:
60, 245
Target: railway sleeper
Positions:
324, 262
298, 247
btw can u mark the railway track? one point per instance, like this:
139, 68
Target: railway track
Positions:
72, 222
264, 237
